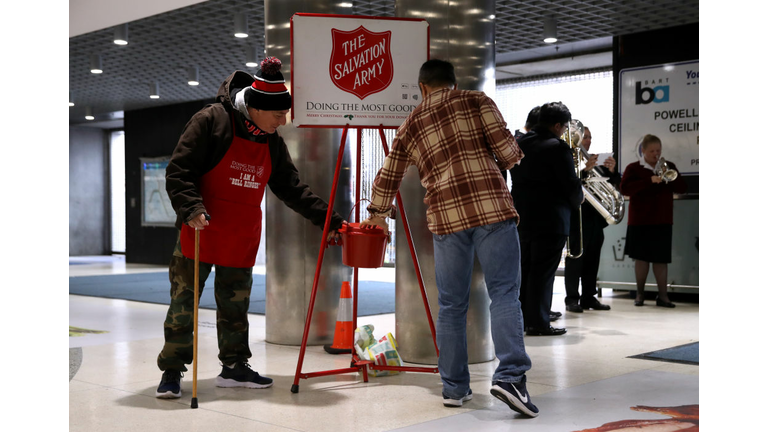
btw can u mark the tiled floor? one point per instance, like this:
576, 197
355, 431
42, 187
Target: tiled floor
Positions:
581, 380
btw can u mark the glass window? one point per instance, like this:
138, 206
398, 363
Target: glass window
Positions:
117, 190
589, 97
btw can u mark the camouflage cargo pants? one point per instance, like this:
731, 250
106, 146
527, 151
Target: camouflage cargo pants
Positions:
232, 290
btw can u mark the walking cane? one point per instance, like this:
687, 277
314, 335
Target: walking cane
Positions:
194, 328
197, 301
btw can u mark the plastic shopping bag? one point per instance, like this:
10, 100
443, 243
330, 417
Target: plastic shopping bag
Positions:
384, 353
363, 339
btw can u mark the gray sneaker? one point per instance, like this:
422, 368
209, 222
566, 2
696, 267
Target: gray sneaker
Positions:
516, 396
453, 403
241, 375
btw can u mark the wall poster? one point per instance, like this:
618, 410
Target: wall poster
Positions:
156, 208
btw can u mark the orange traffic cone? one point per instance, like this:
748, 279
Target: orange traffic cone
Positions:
344, 333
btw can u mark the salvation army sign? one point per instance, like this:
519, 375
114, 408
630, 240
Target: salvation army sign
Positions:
355, 70
662, 100
361, 61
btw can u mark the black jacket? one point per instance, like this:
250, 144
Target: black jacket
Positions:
545, 186
203, 144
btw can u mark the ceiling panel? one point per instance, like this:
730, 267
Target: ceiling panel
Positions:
163, 46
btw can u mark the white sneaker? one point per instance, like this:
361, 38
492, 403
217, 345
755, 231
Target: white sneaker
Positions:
453, 403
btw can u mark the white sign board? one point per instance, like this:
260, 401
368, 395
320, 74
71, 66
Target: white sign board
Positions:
662, 100
355, 70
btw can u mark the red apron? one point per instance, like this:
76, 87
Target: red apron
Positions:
232, 192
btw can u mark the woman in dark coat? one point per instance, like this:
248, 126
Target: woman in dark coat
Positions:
649, 228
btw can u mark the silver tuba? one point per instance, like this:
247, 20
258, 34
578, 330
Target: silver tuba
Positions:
598, 191
602, 195
664, 171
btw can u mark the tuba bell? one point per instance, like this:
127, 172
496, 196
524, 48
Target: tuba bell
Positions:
664, 171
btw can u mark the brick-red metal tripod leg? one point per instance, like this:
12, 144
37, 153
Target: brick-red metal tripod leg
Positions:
326, 229
358, 170
415, 259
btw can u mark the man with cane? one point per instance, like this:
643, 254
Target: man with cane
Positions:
227, 154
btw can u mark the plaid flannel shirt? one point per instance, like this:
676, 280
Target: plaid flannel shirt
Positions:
459, 141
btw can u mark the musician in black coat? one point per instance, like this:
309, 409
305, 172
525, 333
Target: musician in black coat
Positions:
546, 190
592, 223
530, 122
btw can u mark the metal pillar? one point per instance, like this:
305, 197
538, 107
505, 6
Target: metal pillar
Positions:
292, 242
462, 32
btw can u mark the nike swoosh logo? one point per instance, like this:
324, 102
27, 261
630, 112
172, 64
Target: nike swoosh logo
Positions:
522, 398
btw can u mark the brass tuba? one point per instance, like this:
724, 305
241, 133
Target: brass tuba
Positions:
664, 171
598, 191
574, 133
602, 195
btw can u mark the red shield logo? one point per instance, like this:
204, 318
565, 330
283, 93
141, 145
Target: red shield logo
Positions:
361, 61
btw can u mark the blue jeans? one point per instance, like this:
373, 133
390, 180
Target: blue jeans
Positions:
498, 250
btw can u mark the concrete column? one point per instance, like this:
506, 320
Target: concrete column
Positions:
462, 32
293, 243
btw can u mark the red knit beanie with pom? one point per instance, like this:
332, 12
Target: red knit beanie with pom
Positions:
268, 91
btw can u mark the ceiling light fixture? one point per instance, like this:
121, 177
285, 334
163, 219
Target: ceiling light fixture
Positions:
193, 77
550, 30
251, 56
95, 62
241, 25
345, 4
71, 103
154, 90
88, 113
121, 35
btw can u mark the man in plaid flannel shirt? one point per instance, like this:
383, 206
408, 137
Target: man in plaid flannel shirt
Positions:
459, 142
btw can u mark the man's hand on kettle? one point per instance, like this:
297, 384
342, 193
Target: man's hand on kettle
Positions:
375, 221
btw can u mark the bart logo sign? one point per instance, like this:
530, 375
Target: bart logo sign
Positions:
361, 61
